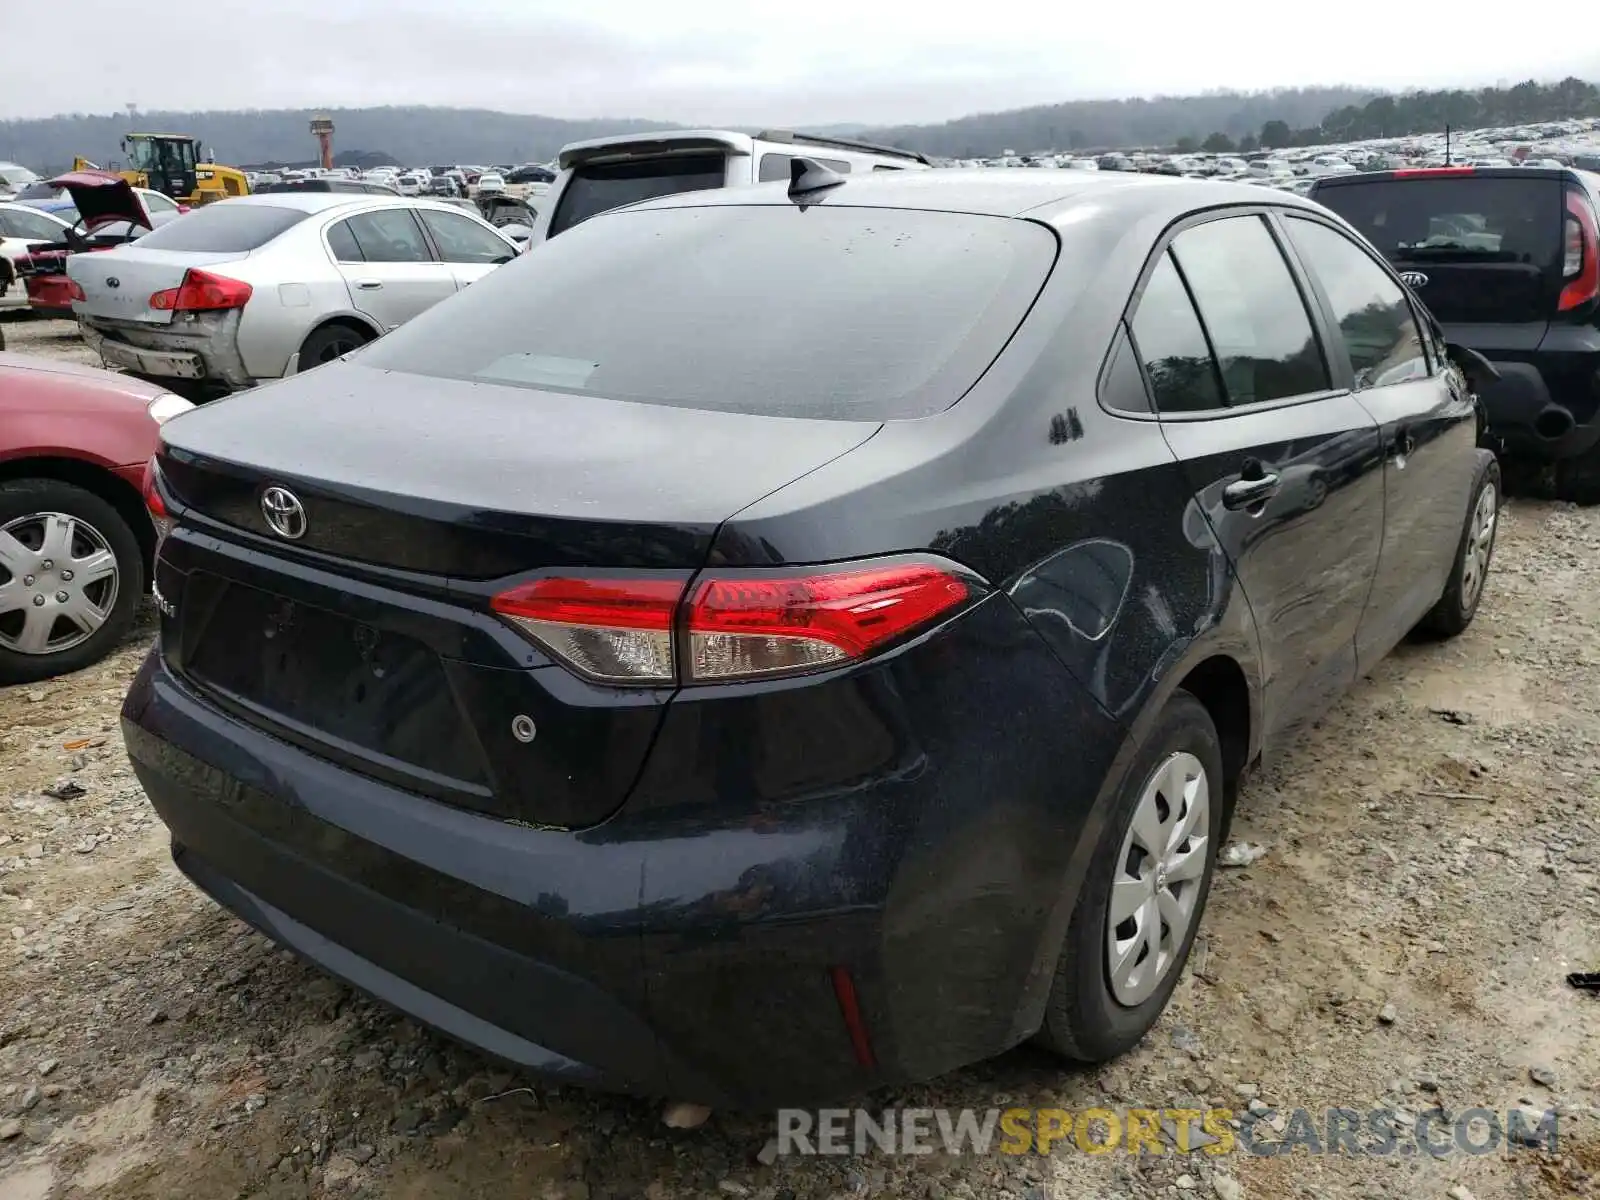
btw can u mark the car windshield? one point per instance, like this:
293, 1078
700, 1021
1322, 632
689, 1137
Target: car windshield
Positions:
232, 227
843, 313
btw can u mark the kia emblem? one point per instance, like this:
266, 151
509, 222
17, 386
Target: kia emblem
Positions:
1413, 279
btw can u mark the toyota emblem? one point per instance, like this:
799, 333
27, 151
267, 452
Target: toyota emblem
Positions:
113, 281
1413, 279
285, 515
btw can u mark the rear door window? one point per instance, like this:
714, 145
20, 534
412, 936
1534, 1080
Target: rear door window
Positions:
597, 187
462, 240
847, 313
225, 228
390, 235
343, 243
1252, 310
1172, 345
1375, 318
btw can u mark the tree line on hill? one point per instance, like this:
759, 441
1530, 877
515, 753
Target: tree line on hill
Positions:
1218, 121
1227, 121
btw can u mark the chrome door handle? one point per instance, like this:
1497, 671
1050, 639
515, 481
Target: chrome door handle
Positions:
1247, 493
369, 285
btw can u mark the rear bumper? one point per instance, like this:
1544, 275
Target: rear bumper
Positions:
679, 949
48, 294
1531, 420
207, 351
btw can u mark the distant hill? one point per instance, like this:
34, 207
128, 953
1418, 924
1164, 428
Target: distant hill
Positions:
1216, 120
410, 135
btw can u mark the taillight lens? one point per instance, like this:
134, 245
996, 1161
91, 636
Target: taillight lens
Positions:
736, 625
201, 291
612, 630
153, 501
75, 290
754, 625
1580, 264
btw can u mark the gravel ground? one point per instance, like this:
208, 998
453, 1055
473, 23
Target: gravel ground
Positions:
1429, 879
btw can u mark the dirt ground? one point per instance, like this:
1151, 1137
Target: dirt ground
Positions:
1430, 878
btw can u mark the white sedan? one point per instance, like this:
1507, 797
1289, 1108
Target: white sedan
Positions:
22, 227
261, 286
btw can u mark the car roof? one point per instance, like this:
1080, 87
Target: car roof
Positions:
1042, 194
313, 202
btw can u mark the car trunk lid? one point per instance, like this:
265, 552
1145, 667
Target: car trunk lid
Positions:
1479, 247
100, 196
118, 285
369, 638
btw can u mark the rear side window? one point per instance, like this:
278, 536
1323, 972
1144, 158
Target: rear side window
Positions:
1454, 218
343, 243
839, 313
225, 228
776, 166
1172, 345
1252, 311
598, 187
1380, 331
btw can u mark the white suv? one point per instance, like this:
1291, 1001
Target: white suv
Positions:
605, 173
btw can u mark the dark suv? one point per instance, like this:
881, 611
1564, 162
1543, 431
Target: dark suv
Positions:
1508, 260
835, 675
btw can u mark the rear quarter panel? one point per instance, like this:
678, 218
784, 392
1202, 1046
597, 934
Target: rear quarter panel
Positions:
297, 287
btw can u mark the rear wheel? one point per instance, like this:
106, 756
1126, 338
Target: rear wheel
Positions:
1459, 604
1578, 479
71, 573
1135, 922
329, 342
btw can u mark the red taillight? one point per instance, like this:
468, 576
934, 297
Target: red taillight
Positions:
1433, 172
74, 291
1581, 255
201, 291
745, 625
613, 630
157, 507
758, 624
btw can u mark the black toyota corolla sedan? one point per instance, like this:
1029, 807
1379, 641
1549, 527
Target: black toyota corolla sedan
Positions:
773, 642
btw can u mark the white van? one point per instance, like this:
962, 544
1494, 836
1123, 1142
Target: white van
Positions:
605, 173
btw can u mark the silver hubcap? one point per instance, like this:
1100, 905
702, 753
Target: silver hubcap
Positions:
1156, 886
58, 583
1480, 545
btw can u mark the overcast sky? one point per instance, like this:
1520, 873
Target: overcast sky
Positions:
726, 62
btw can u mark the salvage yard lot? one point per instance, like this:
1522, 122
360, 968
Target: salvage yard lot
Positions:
1432, 874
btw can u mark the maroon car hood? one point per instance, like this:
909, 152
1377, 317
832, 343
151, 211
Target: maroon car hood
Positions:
101, 196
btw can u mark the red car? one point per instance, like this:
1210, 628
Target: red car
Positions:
76, 537
110, 213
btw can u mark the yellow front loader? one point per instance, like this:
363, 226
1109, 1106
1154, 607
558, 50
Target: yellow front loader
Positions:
171, 164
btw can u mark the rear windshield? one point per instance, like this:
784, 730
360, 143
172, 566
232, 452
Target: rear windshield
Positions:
1455, 218
837, 313
224, 227
594, 189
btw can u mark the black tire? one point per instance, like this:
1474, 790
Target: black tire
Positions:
1578, 479
1459, 604
1084, 1021
26, 497
327, 342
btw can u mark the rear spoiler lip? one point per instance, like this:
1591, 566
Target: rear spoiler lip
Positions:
650, 146
1407, 174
